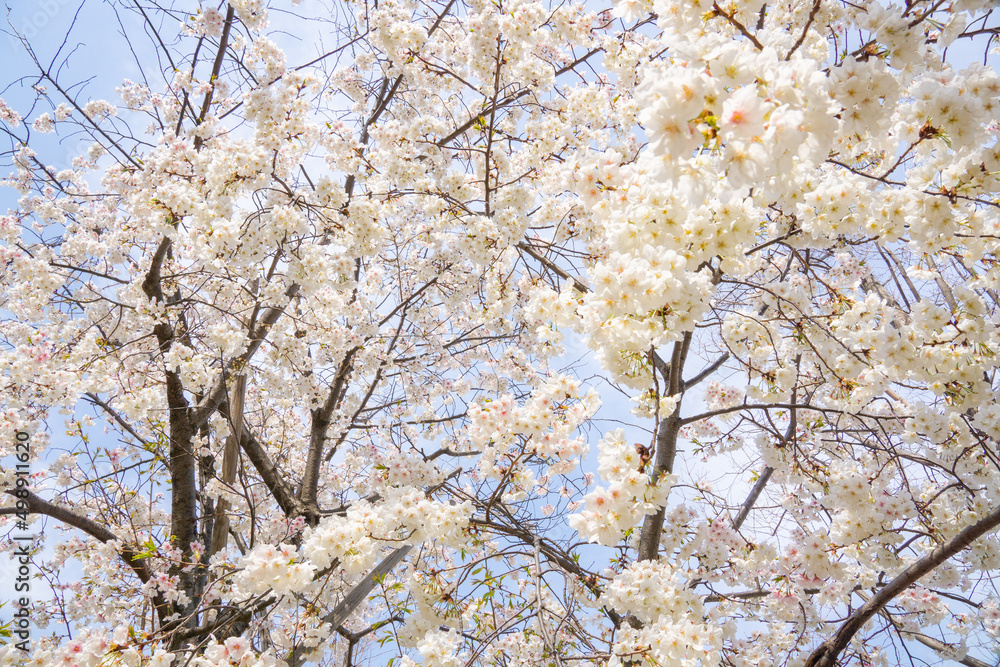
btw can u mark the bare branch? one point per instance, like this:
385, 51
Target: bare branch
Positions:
826, 654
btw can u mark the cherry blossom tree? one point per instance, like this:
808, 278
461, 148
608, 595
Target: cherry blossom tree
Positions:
290, 337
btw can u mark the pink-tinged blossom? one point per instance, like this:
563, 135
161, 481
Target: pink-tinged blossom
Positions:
743, 115
44, 124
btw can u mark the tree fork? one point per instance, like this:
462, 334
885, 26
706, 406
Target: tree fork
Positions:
666, 448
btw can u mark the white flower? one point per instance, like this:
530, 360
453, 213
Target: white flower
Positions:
743, 115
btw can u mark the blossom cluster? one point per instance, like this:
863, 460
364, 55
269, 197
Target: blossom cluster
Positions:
548, 420
631, 493
94, 647
406, 516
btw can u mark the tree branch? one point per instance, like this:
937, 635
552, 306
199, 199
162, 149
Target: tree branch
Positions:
267, 470
128, 555
220, 528
826, 654
214, 398
666, 450
353, 598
